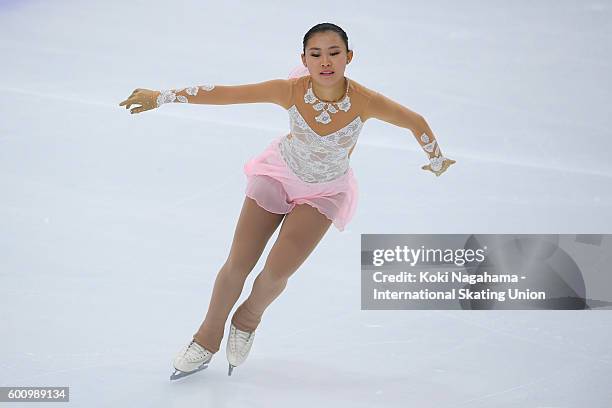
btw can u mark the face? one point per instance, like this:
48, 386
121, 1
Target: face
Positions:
325, 51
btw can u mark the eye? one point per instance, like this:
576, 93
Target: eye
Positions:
316, 55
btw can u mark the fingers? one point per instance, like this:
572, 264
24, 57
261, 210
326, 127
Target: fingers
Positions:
445, 165
133, 101
141, 108
130, 99
144, 107
128, 102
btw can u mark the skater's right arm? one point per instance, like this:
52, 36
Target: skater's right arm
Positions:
277, 91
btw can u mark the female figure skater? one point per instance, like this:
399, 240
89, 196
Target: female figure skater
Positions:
303, 178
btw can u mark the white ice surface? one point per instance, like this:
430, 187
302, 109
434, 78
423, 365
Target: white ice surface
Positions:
113, 226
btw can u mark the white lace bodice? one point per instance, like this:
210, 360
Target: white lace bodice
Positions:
314, 158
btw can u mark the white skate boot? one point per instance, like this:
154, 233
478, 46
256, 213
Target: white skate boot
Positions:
191, 359
239, 344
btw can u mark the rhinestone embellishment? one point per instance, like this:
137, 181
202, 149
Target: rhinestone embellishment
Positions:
327, 107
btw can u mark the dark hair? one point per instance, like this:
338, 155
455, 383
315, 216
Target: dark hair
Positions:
323, 27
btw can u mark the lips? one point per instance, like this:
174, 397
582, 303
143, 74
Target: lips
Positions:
327, 72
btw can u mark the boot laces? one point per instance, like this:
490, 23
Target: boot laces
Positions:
243, 335
195, 352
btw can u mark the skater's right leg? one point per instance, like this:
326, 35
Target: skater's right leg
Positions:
253, 230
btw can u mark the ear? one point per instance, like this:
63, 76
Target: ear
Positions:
349, 56
303, 59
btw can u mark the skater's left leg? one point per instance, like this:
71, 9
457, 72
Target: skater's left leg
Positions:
300, 233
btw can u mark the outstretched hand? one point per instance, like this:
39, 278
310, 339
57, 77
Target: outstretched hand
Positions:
147, 98
445, 165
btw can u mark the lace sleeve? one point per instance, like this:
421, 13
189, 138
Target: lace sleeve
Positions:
385, 109
277, 91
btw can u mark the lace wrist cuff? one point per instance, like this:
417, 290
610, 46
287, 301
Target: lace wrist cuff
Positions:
432, 150
170, 95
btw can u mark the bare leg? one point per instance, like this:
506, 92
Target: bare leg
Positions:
300, 233
254, 229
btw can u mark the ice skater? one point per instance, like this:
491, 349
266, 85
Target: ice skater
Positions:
302, 179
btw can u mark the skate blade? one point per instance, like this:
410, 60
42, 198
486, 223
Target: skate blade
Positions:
180, 374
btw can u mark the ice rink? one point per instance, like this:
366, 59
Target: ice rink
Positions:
113, 226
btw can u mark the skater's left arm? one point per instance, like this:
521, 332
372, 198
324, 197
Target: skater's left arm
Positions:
387, 110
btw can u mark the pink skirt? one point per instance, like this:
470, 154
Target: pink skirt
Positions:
277, 189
